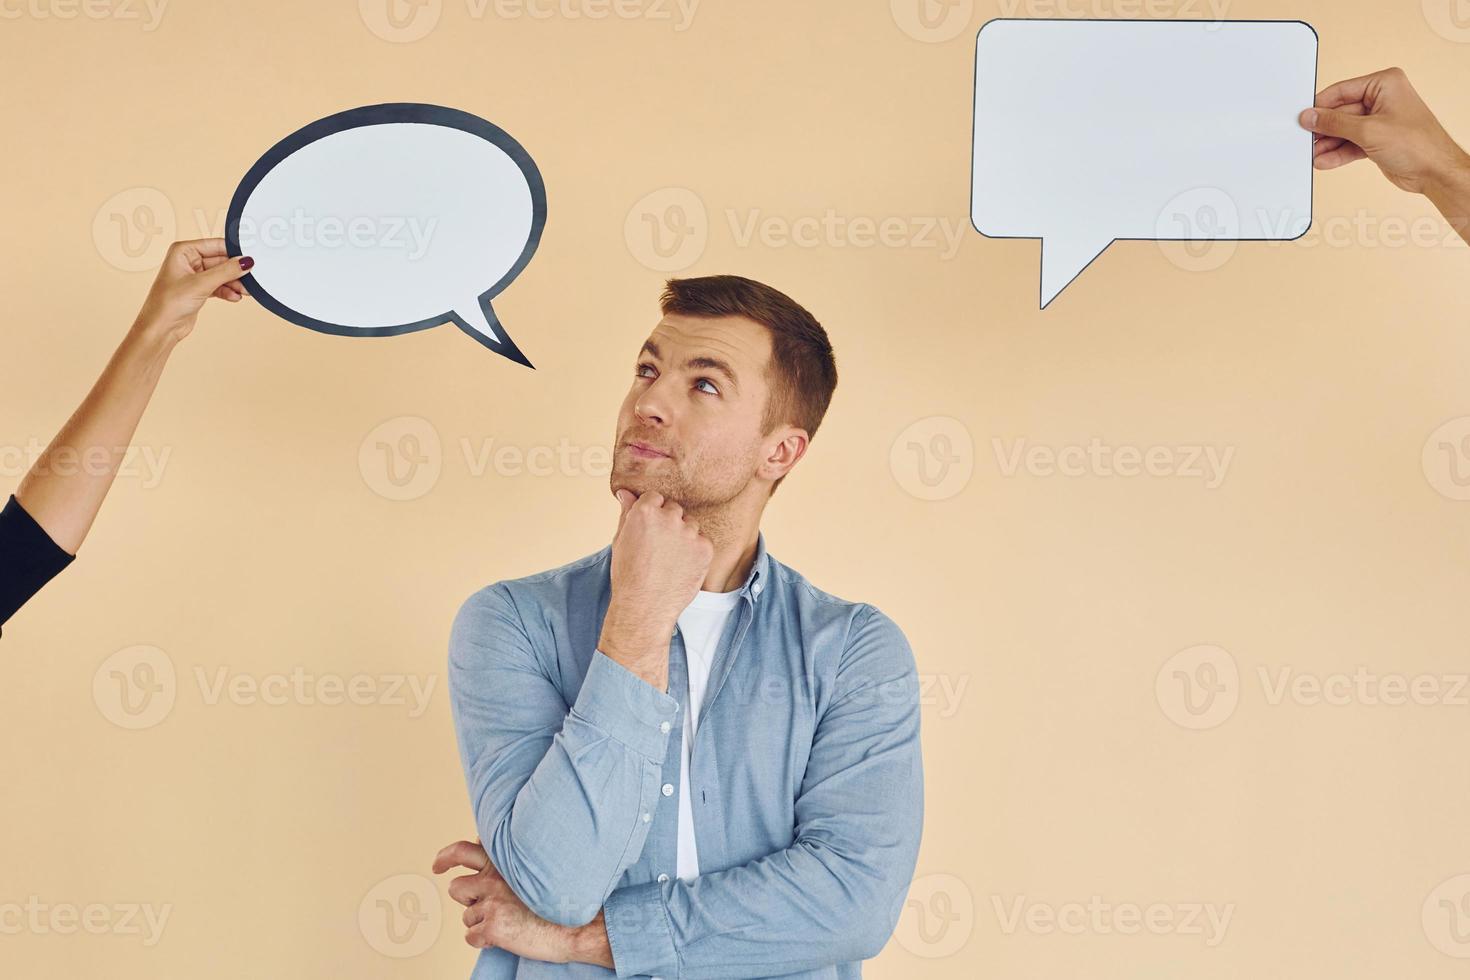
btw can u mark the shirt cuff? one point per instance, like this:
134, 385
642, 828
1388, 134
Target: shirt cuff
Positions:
626, 707
638, 932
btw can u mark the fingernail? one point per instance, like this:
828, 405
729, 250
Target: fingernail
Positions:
246, 262
1309, 118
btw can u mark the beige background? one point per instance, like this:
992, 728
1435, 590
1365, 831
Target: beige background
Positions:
1057, 619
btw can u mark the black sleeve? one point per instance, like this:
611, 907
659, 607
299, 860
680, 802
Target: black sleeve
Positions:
28, 558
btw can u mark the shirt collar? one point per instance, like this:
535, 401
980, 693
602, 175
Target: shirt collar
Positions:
759, 577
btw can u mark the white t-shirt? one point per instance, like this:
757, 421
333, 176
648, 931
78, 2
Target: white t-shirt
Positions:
703, 623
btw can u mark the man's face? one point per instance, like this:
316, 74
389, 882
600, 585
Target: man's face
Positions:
697, 399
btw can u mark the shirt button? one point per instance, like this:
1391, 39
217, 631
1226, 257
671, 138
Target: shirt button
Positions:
756, 588
646, 818
664, 727
662, 879
668, 789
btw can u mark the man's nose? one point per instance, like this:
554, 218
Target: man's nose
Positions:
650, 406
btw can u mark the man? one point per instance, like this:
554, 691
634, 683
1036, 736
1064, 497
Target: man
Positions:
684, 759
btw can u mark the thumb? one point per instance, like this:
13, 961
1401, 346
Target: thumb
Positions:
228, 271
1334, 122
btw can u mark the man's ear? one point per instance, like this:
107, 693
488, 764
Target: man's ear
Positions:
782, 454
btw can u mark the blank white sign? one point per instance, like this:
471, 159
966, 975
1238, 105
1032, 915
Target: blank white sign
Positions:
1087, 131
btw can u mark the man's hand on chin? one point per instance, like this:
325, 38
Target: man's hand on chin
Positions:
495, 917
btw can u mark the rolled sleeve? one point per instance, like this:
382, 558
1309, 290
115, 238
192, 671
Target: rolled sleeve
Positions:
626, 707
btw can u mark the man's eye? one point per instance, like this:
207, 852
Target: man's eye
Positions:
707, 381
639, 370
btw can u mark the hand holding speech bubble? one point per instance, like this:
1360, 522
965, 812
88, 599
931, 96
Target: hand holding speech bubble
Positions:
388, 219
1091, 131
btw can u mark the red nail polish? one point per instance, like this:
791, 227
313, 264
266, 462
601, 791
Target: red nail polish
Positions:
246, 262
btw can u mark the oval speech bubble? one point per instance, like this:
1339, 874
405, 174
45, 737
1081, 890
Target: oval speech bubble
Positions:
387, 219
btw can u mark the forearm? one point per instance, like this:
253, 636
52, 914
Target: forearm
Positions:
1449, 191
64, 489
588, 944
638, 642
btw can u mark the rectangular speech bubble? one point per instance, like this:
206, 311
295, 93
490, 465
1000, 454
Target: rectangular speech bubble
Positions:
1091, 131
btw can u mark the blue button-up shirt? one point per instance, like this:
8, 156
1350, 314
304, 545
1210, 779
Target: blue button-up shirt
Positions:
805, 777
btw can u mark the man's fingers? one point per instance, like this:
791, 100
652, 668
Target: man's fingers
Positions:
1343, 92
1340, 157
1323, 144
461, 854
473, 915
467, 889
1333, 122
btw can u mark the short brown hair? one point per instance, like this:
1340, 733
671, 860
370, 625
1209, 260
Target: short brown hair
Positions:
802, 372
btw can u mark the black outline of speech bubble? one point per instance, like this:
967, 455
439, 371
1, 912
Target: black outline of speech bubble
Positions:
975, 107
376, 115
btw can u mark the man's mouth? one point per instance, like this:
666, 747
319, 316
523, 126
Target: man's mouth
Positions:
643, 450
